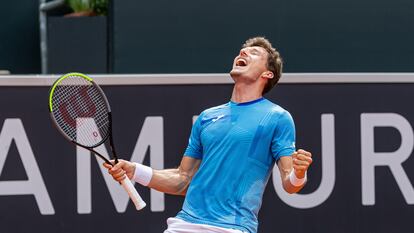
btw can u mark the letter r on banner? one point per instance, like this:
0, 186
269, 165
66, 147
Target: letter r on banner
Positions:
370, 159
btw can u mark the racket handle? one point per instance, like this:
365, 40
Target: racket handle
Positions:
133, 194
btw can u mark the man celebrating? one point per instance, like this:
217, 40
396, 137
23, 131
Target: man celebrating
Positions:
231, 152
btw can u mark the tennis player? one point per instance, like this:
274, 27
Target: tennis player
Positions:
231, 152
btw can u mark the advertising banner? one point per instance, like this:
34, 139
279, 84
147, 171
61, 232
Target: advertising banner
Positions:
360, 134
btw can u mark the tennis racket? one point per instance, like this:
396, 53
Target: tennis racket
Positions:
81, 112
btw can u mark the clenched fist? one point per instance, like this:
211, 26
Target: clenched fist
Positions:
301, 161
119, 170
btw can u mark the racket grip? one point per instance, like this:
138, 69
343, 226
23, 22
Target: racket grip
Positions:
133, 194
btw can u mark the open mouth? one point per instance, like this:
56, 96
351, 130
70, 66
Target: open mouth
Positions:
241, 62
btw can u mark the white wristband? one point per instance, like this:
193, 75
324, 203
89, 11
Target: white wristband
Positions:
296, 181
143, 174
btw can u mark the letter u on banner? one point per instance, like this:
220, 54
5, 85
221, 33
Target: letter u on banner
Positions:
305, 201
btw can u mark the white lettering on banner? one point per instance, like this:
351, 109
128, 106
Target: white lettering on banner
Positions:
152, 137
370, 159
13, 130
305, 201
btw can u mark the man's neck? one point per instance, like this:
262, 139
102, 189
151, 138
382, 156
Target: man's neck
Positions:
244, 93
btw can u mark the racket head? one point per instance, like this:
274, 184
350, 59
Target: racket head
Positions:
80, 110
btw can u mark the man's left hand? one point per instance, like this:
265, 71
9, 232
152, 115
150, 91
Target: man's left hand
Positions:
301, 161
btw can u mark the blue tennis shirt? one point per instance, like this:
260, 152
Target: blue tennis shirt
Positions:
238, 144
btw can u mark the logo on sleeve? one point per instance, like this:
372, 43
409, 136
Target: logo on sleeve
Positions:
218, 118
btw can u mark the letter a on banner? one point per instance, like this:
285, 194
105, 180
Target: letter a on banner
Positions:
13, 130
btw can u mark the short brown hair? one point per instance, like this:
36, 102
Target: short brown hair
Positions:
274, 61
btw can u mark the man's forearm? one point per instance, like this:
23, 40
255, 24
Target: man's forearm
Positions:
171, 181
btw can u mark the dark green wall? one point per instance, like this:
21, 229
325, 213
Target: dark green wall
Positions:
163, 36
19, 36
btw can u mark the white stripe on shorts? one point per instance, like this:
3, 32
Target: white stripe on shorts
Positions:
176, 225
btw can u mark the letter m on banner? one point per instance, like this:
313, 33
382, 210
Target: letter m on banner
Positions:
151, 137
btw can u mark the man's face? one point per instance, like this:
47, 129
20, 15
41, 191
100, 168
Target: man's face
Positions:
250, 63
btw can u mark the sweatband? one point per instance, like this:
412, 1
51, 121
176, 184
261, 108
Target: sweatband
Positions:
296, 181
143, 174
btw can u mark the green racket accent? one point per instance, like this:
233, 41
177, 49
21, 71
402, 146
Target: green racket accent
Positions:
59, 80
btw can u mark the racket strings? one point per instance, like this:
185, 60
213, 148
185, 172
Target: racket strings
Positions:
81, 111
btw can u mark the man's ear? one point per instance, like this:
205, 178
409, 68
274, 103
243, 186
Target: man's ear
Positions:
268, 74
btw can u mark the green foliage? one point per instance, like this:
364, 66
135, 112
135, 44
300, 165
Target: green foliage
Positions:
80, 5
99, 7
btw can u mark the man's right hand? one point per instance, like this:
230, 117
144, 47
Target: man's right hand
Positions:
119, 170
